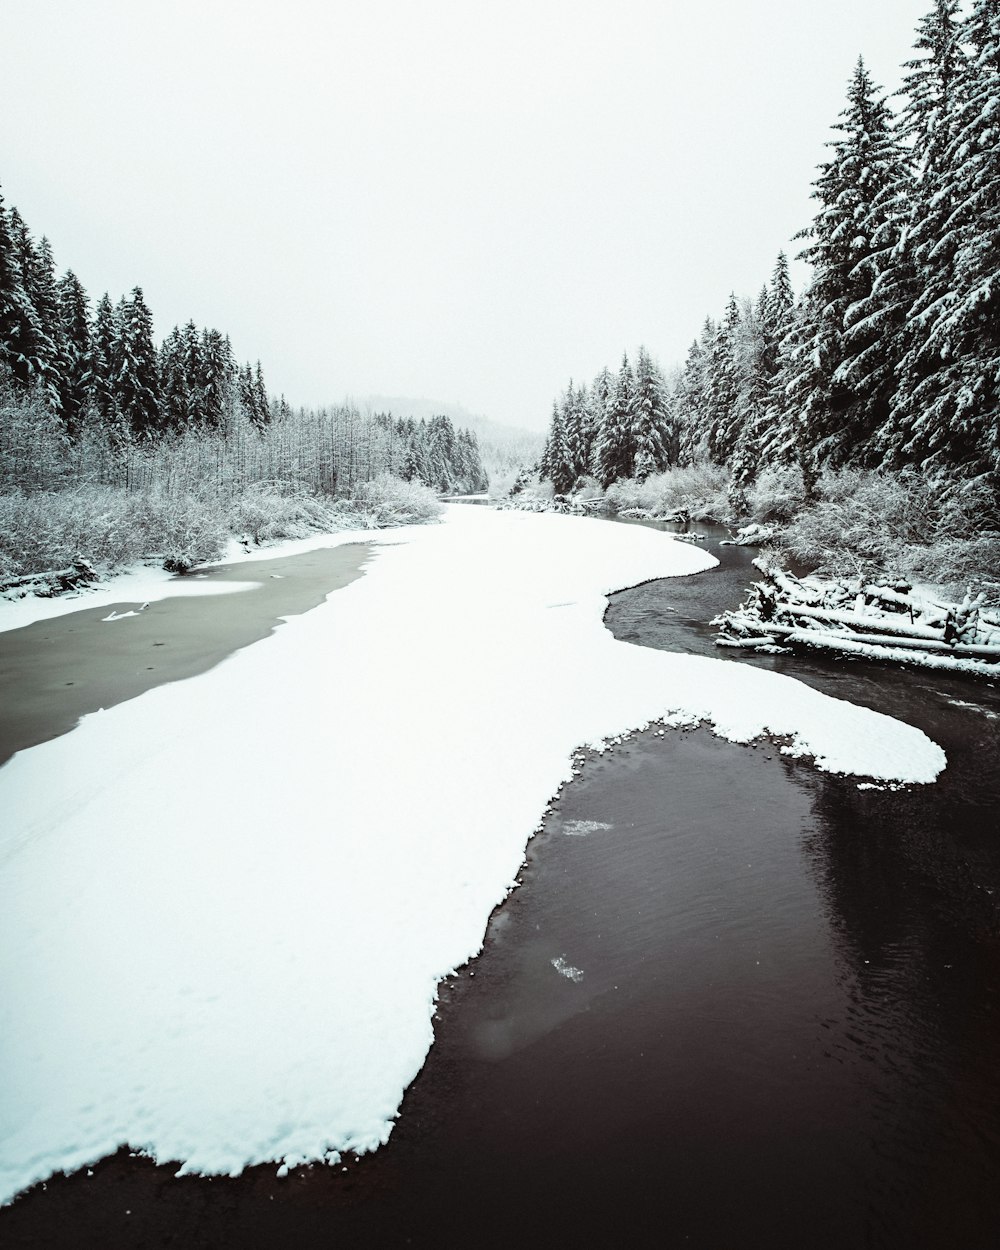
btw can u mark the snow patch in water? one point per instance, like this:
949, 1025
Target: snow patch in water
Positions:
973, 707
567, 970
582, 828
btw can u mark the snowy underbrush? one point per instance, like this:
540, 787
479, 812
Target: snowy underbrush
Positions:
388, 500
776, 496
270, 511
532, 495
700, 490
502, 482
902, 524
110, 527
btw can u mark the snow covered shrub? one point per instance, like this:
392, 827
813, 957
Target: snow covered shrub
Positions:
268, 511
50, 530
967, 508
32, 442
860, 519
776, 495
388, 500
184, 530
956, 564
507, 482
535, 495
587, 488
906, 524
698, 489
623, 495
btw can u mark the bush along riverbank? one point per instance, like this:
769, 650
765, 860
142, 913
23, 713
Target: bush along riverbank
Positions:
902, 567
55, 541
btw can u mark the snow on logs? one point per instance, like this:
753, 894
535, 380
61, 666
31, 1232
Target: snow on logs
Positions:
863, 620
46, 585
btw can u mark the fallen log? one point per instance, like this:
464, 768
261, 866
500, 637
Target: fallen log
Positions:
55, 582
770, 631
897, 655
863, 619
888, 625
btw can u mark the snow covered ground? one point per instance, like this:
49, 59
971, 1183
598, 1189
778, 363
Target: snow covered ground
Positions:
225, 906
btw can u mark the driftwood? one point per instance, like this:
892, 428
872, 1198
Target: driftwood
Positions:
865, 620
55, 582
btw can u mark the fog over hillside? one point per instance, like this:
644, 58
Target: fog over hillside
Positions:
485, 427
504, 449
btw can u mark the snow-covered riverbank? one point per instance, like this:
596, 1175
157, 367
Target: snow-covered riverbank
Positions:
149, 584
225, 906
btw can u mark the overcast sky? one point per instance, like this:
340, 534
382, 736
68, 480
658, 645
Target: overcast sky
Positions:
469, 202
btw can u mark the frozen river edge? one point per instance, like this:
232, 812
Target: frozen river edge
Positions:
229, 902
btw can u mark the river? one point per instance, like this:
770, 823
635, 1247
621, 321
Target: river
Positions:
735, 1003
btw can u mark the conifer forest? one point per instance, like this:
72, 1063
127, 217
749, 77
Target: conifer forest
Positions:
882, 376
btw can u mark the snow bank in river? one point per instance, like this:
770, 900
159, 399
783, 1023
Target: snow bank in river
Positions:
225, 906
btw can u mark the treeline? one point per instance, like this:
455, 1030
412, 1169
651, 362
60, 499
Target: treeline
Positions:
87, 396
104, 364
890, 358
329, 451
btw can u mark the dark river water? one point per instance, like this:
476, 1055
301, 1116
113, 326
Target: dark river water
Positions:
736, 1003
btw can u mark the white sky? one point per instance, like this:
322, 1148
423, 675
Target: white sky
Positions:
468, 202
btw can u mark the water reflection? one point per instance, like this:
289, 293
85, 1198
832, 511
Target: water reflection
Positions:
909, 883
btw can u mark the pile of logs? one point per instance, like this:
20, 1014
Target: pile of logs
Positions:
865, 620
47, 585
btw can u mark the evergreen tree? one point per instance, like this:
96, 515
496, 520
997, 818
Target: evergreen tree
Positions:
217, 379
722, 414
576, 430
20, 332
261, 401
616, 446
136, 380
426, 469
691, 397
587, 431
45, 292
105, 339
41, 362
557, 454
653, 431
951, 374
804, 384
176, 400
777, 438
194, 373
754, 362
77, 372
253, 395
852, 239
597, 405
931, 89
